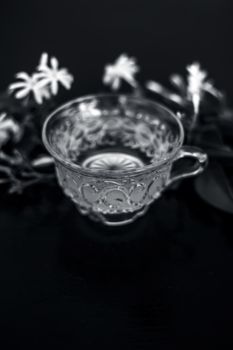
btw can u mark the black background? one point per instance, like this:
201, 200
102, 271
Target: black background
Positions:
165, 280
164, 35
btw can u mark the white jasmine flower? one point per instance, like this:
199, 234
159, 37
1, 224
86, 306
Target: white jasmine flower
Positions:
53, 75
124, 68
196, 82
29, 84
9, 128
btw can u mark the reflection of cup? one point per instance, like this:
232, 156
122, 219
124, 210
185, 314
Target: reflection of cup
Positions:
114, 154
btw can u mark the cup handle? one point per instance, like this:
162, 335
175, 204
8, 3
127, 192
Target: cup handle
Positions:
200, 161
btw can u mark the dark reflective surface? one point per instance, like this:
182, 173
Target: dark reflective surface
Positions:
67, 281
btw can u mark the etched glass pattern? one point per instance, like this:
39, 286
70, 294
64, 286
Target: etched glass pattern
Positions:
114, 154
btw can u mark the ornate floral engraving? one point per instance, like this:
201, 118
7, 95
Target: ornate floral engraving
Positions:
108, 196
137, 193
87, 129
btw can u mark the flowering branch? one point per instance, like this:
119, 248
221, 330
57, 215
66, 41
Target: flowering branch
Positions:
23, 161
191, 90
21, 173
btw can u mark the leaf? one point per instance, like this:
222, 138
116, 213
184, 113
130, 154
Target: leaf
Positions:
3, 181
214, 187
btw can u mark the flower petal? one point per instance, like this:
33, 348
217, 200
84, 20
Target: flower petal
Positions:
67, 76
65, 83
22, 93
54, 86
17, 85
2, 117
23, 75
37, 96
44, 70
43, 61
43, 82
116, 84
45, 93
64, 71
54, 63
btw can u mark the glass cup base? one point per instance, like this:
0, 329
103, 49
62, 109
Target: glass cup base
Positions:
113, 160
114, 219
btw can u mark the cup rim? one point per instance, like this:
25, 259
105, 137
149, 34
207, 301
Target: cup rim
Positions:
110, 173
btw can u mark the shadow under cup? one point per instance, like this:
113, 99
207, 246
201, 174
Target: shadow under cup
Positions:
114, 154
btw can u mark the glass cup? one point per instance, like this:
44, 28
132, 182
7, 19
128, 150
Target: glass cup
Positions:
114, 154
